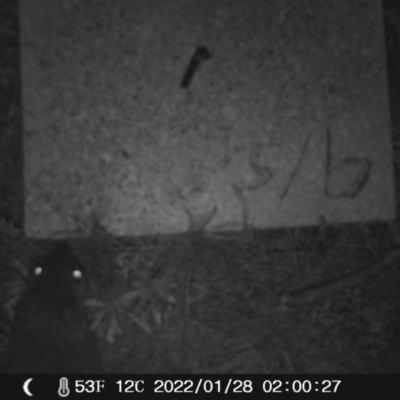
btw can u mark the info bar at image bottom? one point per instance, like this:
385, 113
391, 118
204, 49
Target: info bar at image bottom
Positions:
141, 385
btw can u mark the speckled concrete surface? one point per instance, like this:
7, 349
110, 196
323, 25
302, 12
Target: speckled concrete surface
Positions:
286, 123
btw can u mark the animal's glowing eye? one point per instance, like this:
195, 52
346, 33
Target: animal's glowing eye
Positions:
77, 274
38, 271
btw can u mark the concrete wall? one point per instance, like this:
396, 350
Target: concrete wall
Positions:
286, 123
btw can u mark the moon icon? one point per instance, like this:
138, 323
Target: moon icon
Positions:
26, 388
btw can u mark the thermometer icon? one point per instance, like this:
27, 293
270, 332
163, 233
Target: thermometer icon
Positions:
63, 391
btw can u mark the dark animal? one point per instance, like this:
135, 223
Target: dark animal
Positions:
52, 333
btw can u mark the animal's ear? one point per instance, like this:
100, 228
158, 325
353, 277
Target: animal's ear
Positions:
61, 253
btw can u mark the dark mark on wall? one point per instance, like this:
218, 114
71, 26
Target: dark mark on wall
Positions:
200, 54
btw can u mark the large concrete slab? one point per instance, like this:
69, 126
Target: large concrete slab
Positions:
286, 123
